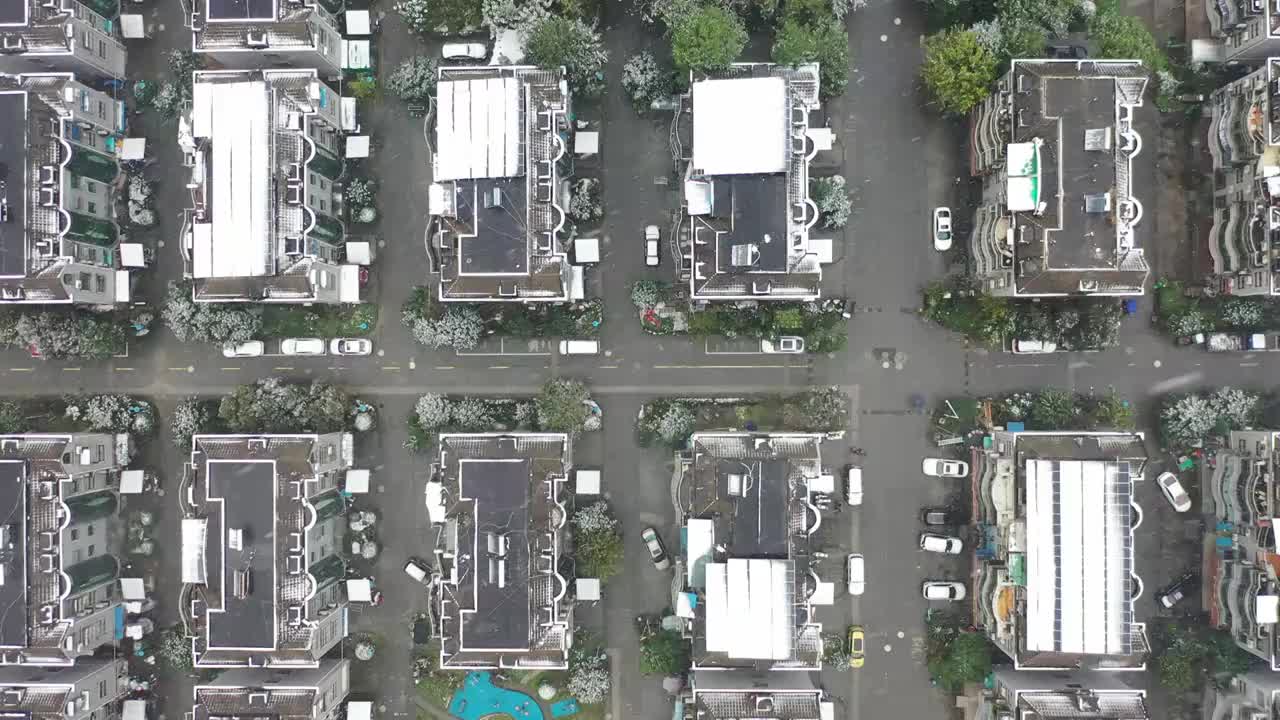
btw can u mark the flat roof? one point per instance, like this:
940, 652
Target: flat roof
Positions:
241, 10
478, 131
1087, 239
500, 245
246, 490
13, 12
757, 206
760, 514
499, 491
740, 126
13, 559
13, 174
234, 118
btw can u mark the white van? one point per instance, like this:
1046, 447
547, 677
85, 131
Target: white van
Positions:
579, 347
415, 571
853, 486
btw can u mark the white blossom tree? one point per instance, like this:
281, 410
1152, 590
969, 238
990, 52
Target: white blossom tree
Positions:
189, 418
643, 80
472, 414
589, 678
1187, 420
596, 517
190, 321
1234, 407
415, 80
677, 424
833, 202
458, 327
433, 411
519, 15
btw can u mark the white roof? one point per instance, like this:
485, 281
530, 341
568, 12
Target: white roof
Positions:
435, 502
700, 540
359, 709
349, 283
749, 608
359, 590
1268, 609
357, 24
235, 117
359, 253
586, 142
131, 255
193, 544
357, 482
586, 250
586, 482
131, 481
134, 710
740, 126
588, 589
357, 146
477, 129
133, 589
133, 148
823, 594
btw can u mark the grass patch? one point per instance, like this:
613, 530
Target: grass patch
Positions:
324, 321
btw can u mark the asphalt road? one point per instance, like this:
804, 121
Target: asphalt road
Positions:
898, 158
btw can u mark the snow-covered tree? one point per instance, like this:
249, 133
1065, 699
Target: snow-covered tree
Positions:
643, 80
833, 202
472, 414
526, 414
189, 418
677, 424
446, 17
366, 215
140, 214
190, 321
415, 80
459, 327
358, 193
646, 293
433, 411
1242, 312
1187, 420
1234, 407
585, 203
589, 679
596, 517
562, 406
108, 413
520, 15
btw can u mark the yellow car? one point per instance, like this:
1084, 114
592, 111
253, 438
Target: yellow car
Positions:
857, 646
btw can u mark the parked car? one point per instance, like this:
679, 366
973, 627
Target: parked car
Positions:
302, 346
945, 544
252, 348
1034, 347
941, 516
415, 570
1173, 491
350, 346
579, 347
853, 486
784, 344
1178, 590
942, 229
943, 590
940, 467
657, 552
652, 254
857, 646
857, 574
464, 51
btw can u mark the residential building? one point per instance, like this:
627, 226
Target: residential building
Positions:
741, 694
1241, 590
1244, 143
499, 197
1240, 31
750, 576
92, 689
262, 535
1054, 146
744, 142
502, 599
265, 225
253, 34
59, 242
65, 540
41, 36
1037, 695
1055, 578
1252, 696
312, 694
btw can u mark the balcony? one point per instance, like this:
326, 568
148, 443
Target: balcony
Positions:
1231, 253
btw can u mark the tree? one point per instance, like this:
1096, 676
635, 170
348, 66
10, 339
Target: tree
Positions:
415, 80
1234, 408
1186, 421
647, 293
458, 327
562, 406
272, 405
446, 17
1118, 36
65, 333
1245, 313
190, 321
472, 414
598, 553
1111, 412
596, 517
664, 653
711, 38
555, 41
1053, 409
676, 424
644, 81
958, 70
174, 649
820, 410
833, 202
589, 679
823, 41
433, 411
967, 658
519, 15
13, 418
1189, 321
584, 205
190, 417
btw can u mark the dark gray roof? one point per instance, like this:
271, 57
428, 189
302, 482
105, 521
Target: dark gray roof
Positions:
13, 557
242, 10
247, 490
760, 515
13, 176
499, 490
755, 208
13, 12
501, 240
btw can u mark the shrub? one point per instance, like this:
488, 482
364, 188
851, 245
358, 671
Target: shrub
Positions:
190, 321
1053, 409
677, 424
1242, 313
459, 327
643, 80
415, 80
710, 38
443, 16
585, 203
358, 193
647, 293
433, 411
556, 41
958, 70
562, 406
833, 202
589, 678
472, 414
664, 653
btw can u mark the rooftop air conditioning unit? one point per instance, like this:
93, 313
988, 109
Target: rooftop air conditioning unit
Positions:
242, 583
744, 255
12, 43
764, 703
1097, 139
492, 198
235, 539
735, 484
255, 39
293, 121
11, 293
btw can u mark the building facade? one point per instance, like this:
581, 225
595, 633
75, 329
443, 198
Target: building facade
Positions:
41, 36
1252, 696
255, 34
59, 242
313, 694
266, 225
262, 565
1054, 147
64, 569
745, 144
1037, 695
92, 689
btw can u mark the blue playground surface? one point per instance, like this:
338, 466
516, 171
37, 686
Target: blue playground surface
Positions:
564, 708
479, 697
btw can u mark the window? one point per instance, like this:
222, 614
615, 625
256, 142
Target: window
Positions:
311, 179
92, 550
100, 283
83, 281
88, 530
90, 186
75, 533
79, 555
102, 689
75, 483
102, 48
323, 185
73, 180
93, 481
79, 202
322, 205
88, 45
93, 210
102, 109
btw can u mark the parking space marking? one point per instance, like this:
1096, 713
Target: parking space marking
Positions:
718, 367
71, 369
230, 369
183, 369
609, 367
391, 368
284, 368
123, 369
22, 369
444, 367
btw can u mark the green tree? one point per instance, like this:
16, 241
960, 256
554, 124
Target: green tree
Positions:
1111, 412
13, 419
823, 41
957, 69
1124, 37
443, 16
709, 39
664, 653
555, 41
598, 553
562, 406
1182, 662
967, 658
1053, 409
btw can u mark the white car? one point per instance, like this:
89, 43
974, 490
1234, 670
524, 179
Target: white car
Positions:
942, 590
415, 570
652, 254
938, 467
945, 544
857, 574
1173, 491
302, 346
785, 344
350, 346
1034, 347
464, 51
252, 348
853, 486
942, 229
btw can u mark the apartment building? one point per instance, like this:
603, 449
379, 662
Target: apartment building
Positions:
41, 36
1074, 695
92, 689
253, 34
311, 694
